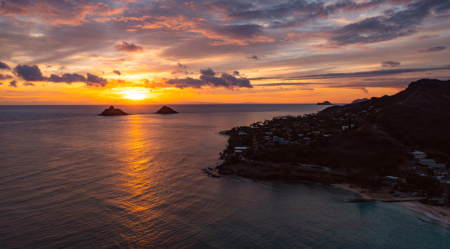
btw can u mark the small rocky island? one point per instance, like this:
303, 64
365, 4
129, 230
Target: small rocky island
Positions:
325, 103
112, 112
166, 110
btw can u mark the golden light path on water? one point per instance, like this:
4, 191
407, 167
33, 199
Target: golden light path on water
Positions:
139, 175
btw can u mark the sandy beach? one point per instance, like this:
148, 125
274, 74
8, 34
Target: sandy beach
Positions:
433, 212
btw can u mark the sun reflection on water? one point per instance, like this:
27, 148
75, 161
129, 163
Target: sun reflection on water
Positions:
139, 175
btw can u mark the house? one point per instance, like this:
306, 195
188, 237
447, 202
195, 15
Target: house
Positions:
424, 161
439, 166
241, 148
242, 133
392, 178
419, 154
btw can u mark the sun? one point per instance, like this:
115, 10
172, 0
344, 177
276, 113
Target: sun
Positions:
134, 94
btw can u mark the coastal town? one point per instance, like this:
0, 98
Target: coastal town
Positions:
287, 147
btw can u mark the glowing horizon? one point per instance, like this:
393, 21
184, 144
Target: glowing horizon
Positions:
152, 52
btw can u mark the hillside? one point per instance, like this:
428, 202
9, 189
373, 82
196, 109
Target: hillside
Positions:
416, 118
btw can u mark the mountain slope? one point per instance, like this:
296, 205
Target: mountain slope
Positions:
416, 118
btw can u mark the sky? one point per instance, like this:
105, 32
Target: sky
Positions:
81, 52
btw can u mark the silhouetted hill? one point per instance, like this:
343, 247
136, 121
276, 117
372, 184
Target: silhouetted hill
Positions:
325, 103
359, 100
415, 118
166, 110
112, 112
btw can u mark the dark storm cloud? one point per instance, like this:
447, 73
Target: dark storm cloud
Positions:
390, 63
208, 71
5, 77
33, 73
127, 47
208, 78
13, 83
4, 66
67, 78
240, 31
28, 84
94, 80
187, 82
117, 72
430, 50
30, 73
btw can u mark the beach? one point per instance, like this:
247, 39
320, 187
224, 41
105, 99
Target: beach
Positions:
433, 212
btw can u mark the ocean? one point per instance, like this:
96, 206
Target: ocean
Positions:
72, 179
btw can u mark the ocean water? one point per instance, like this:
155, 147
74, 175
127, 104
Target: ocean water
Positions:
72, 179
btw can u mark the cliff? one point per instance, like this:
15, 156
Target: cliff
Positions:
166, 110
112, 112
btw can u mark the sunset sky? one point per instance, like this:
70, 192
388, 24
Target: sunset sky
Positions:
235, 51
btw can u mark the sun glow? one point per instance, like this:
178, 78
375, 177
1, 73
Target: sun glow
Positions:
136, 94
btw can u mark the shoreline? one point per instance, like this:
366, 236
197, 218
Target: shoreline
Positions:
433, 212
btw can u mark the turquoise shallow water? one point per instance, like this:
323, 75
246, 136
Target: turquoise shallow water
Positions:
69, 178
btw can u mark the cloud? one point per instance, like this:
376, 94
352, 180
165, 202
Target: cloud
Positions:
29, 73
390, 63
67, 78
254, 57
93, 80
208, 78
127, 47
13, 83
292, 84
424, 37
373, 73
4, 66
364, 90
117, 72
430, 50
28, 84
33, 73
181, 65
236, 73
5, 77
391, 25
208, 71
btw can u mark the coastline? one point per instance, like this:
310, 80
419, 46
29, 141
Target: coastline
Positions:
434, 212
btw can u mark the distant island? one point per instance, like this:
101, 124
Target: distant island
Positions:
359, 100
166, 110
325, 103
398, 141
112, 112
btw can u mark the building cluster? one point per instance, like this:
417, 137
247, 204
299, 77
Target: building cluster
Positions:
300, 131
439, 169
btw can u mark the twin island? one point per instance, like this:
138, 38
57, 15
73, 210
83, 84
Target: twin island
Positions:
111, 111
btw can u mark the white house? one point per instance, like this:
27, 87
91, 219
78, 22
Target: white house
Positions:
242, 133
419, 154
439, 166
424, 161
